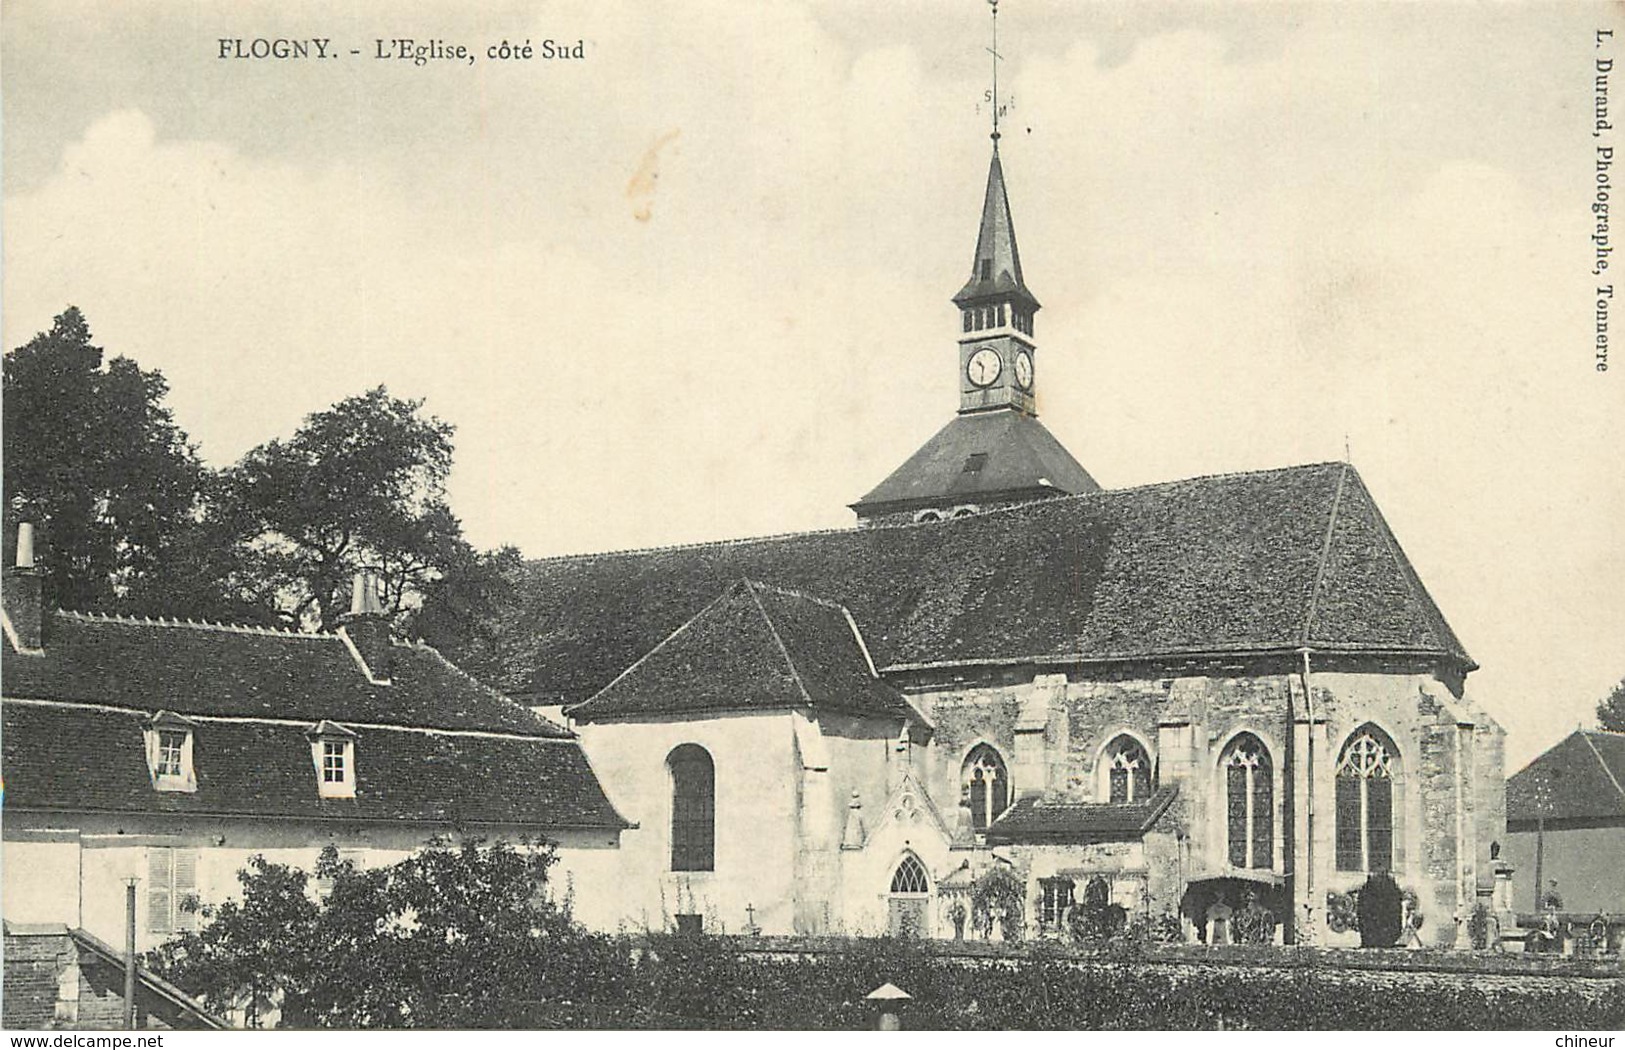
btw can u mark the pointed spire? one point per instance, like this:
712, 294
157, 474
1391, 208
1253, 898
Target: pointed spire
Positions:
996, 269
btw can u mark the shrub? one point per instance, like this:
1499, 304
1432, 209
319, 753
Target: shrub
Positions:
999, 898
1343, 911
1478, 926
1381, 908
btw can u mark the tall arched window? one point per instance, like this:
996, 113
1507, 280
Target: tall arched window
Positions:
1365, 802
1249, 798
986, 785
693, 808
1127, 770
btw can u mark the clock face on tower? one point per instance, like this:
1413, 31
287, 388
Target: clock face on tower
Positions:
1024, 370
984, 367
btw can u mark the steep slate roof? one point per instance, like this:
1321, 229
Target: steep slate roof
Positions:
1581, 777
433, 746
205, 669
995, 245
1034, 819
1018, 456
754, 648
1237, 563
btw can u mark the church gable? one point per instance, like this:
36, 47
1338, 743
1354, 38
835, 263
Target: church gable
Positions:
753, 648
1368, 595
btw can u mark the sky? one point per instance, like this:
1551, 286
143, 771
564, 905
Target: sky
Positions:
695, 283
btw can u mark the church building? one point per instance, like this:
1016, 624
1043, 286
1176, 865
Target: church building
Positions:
1225, 692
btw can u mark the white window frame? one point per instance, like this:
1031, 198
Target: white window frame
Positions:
183, 778
328, 735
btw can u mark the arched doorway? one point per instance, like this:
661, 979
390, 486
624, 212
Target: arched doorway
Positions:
908, 903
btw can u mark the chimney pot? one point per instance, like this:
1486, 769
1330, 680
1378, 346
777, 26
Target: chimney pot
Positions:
25, 545
367, 627
22, 597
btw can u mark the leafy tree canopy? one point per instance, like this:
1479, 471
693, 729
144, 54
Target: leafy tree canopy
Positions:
1611, 712
95, 460
450, 937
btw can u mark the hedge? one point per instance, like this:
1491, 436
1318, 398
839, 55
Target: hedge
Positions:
724, 983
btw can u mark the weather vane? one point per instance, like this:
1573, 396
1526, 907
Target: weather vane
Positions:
994, 51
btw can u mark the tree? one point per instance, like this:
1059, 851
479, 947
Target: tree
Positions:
450, 937
1381, 907
1611, 711
359, 486
94, 459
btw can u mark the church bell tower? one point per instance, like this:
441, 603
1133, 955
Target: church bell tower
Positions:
994, 452
996, 312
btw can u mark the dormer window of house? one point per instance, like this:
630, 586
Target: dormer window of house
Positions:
169, 753
332, 751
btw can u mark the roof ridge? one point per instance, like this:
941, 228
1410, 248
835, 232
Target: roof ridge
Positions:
791, 592
1432, 616
197, 625
784, 651
741, 541
635, 664
1325, 555
482, 687
1603, 763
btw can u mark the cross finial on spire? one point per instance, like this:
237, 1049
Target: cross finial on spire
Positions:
994, 51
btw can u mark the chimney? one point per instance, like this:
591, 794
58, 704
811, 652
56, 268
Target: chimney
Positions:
22, 596
366, 628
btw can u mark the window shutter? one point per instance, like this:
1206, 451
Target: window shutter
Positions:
160, 873
185, 888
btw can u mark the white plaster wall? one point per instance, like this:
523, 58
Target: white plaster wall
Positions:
757, 774
79, 879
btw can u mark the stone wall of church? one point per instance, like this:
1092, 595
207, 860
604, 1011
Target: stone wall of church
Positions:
1449, 799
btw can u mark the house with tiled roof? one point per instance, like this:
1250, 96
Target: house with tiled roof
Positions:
1228, 688
1566, 824
171, 752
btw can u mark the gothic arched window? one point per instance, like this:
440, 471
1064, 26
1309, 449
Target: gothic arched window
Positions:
986, 786
908, 907
1365, 801
1127, 769
1249, 798
910, 877
693, 808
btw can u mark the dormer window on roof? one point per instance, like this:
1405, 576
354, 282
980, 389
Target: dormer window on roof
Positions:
332, 751
168, 738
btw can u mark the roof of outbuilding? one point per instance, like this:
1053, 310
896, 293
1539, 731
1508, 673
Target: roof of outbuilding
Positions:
1014, 454
754, 648
79, 757
206, 669
1034, 819
1230, 564
434, 745
1581, 777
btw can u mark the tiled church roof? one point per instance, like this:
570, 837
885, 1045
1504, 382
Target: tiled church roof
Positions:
1581, 777
1016, 455
755, 647
1232, 564
1034, 819
432, 746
